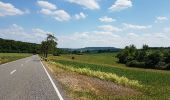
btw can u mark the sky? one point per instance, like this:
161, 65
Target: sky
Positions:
87, 23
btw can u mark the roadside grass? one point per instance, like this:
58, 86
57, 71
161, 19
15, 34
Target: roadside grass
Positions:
156, 84
102, 75
7, 57
84, 87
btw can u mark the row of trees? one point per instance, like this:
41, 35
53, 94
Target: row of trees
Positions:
145, 57
47, 46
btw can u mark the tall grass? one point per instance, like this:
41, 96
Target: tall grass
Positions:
103, 75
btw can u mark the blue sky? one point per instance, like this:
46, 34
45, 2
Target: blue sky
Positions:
85, 23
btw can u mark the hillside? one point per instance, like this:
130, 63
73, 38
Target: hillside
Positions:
12, 46
93, 49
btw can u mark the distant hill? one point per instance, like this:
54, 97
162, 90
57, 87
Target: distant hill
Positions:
92, 49
12, 46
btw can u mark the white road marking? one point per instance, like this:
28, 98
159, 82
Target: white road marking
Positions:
52, 82
12, 72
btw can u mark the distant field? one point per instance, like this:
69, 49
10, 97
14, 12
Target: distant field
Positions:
156, 83
101, 58
7, 57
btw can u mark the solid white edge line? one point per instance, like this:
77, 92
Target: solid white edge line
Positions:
55, 87
12, 72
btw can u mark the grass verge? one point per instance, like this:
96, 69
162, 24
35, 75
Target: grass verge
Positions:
8, 57
103, 75
84, 87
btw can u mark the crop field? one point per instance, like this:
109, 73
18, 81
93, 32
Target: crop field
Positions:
7, 57
155, 83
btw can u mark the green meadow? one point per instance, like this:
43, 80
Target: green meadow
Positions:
155, 83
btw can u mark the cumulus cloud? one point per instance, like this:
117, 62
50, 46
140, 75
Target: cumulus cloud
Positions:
89, 4
121, 5
107, 19
46, 5
109, 28
81, 15
161, 19
138, 27
7, 9
17, 32
51, 10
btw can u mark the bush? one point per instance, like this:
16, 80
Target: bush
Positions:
168, 66
73, 58
161, 65
135, 63
56, 54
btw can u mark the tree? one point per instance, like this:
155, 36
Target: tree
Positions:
49, 45
145, 47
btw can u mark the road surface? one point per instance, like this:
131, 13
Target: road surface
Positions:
27, 79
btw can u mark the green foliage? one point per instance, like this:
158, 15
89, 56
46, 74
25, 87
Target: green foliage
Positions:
11, 46
135, 63
145, 57
49, 45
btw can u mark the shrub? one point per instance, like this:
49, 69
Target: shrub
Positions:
56, 54
72, 58
161, 65
135, 63
168, 66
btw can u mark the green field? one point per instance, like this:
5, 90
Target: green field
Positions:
7, 57
156, 83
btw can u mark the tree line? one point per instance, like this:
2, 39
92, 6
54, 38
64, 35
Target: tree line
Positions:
156, 58
11, 46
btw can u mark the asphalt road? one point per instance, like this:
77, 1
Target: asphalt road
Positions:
27, 79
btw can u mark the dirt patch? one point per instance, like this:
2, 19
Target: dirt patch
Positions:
97, 87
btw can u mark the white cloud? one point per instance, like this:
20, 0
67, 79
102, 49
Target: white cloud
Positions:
90, 4
86, 39
103, 38
106, 19
138, 27
109, 28
132, 35
161, 19
7, 9
160, 35
46, 5
61, 15
79, 16
17, 32
52, 11
121, 5
167, 30
46, 11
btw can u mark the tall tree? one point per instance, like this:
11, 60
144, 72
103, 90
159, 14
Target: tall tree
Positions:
49, 45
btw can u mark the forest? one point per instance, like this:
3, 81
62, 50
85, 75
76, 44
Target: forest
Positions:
147, 57
11, 46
